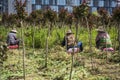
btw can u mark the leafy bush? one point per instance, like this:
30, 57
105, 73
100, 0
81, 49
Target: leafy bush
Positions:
62, 14
81, 11
36, 16
20, 9
116, 14
50, 15
104, 16
9, 20
69, 19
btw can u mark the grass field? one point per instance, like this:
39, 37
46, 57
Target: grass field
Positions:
94, 65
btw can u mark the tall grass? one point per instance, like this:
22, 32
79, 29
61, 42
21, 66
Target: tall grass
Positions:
57, 35
3, 33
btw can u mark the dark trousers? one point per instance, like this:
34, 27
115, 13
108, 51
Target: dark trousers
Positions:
15, 42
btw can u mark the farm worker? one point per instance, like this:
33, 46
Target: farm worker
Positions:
71, 43
103, 41
12, 39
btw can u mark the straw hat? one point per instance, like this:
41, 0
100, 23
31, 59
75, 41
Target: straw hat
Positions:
69, 32
101, 29
14, 30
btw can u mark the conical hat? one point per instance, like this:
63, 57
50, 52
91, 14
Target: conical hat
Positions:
69, 32
14, 30
101, 29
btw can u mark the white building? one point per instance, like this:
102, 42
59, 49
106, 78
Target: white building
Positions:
8, 5
118, 3
11, 8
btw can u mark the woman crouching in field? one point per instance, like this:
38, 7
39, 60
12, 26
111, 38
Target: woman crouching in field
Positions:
71, 43
103, 41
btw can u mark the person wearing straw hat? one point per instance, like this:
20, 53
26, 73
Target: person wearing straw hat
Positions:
70, 42
12, 38
103, 41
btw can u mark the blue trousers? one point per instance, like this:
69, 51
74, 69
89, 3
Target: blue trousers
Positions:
79, 45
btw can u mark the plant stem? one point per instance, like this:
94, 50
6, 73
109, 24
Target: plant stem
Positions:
115, 38
89, 35
90, 45
47, 39
119, 36
23, 50
76, 31
33, 37
72, 55
46, 52
72, 61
